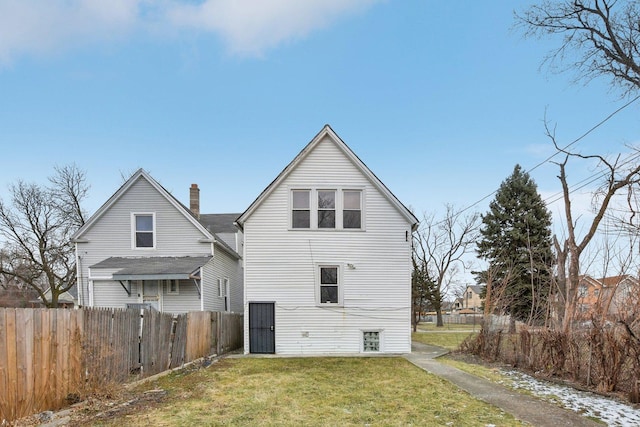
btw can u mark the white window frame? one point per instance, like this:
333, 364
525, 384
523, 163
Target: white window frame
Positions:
319, 285
339, 208
134, 231
220, 291
361, 209
226, 293
310, 209
167, 284
336, 194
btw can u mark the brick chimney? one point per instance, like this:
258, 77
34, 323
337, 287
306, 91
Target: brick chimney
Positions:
194, 200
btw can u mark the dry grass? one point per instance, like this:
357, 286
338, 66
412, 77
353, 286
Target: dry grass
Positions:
449, 340
431, 326
314, 391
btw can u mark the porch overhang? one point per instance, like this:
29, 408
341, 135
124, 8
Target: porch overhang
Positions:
153, 268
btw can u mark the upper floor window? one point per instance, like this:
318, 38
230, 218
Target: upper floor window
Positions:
327, 209
144, 230
301, 214
582, 291
352, 209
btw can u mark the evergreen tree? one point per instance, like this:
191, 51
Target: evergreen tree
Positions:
516, 243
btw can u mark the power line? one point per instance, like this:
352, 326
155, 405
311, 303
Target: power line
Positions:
558, 151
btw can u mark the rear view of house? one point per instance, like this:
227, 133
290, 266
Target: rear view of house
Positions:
143, 248
327, 257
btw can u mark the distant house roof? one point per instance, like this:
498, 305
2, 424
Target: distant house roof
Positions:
153, 268
220, 223
476, 288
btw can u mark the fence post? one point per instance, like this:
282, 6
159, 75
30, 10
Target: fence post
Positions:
218, 333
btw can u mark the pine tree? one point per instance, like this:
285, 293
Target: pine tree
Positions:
516, 243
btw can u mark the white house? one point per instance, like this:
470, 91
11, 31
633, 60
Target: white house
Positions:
143, 248
327, 258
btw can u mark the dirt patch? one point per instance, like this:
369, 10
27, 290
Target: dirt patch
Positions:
118, 402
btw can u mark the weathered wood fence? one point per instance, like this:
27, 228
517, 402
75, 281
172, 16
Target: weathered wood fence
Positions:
49, 356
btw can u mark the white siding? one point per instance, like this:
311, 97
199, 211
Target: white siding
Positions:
281, 264
186, 300
111, 236
223, 266
109, 293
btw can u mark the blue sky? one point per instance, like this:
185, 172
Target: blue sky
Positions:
439, 99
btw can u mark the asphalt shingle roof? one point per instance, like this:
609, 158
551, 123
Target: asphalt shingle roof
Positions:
220, 223
153, 267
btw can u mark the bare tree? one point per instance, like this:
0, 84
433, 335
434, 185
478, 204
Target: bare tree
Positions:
37, 227
599, 38
617, 176
440, 245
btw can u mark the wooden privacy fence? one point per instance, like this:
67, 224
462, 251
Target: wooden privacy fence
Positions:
51, 356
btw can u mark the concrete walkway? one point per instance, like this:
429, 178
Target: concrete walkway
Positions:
525, 408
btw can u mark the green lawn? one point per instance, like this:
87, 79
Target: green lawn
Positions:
314, 391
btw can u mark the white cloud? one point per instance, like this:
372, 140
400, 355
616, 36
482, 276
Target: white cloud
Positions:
248, 27
44, 26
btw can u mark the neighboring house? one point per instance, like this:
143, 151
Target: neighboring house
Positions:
14, 293
143, 248
617, 296
67, 299
327, 258
589, 297
471, 299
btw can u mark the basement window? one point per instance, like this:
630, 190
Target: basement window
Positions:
370, 341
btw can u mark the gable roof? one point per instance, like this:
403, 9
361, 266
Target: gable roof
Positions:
359, 164
186, 212
476, 288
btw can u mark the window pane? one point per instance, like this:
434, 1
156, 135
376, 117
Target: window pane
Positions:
351, 219
371, 341
352, 200
144, 240
326, 219
326, 199
301, 199
329, 294
301, 219
329, 275
144, 223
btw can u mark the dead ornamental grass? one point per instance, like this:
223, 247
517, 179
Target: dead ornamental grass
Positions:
315, 391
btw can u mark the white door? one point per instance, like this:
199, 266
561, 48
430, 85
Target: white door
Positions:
151, 294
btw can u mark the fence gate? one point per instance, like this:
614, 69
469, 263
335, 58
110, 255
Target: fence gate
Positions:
262, 333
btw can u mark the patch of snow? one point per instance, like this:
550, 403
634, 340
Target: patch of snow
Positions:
609, 411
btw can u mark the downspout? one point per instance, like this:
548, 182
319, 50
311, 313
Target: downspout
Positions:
201, 289
80, 284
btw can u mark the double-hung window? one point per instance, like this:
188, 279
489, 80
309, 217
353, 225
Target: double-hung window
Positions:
329, 284
327, 209
143, 230
352, 209
301, 214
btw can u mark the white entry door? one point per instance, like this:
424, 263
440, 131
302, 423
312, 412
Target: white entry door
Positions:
151, 294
